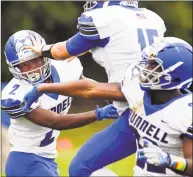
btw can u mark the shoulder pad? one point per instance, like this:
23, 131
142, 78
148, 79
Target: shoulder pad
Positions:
156, 18
131, 90
87, 27
15, 90
183, 114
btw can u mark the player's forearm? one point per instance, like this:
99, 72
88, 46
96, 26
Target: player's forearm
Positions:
189, 170
70, 121
80, 88
107, 91
52, 120
187, 150
59, 51
87, 89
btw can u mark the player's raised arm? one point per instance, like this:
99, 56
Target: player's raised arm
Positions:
52, 120
58, 50
74, 46
88, 37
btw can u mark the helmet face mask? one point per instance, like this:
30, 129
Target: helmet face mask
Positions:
32, 76
89, 5
17, 56
166, 65
150, 73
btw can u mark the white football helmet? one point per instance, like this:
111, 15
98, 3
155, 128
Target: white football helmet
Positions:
89, 5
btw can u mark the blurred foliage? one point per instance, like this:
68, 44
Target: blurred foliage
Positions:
56, 21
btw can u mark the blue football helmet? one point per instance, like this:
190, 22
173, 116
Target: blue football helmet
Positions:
89, 5
165, 65
16, 54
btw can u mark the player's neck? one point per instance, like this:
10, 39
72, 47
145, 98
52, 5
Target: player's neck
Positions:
163, 96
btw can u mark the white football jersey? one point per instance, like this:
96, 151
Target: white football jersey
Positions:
28, 137
129, 30
163, 125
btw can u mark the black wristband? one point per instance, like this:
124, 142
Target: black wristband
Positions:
46, 51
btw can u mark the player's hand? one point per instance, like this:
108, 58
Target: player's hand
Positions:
31, 97
37, 45
107, 112
153, 154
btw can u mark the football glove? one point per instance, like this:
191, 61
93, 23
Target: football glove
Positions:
107, 112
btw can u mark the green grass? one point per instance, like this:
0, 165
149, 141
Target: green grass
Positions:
76, 137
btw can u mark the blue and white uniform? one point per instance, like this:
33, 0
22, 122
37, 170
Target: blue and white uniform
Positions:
33, 148
152, 122
115, 34
165, 68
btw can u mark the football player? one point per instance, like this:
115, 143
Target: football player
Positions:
160, 106
161, 109
33, 147
115, 32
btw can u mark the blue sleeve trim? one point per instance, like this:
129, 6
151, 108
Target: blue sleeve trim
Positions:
188, 135
87, 27
14, 108
10, 104
189, 132
79, 44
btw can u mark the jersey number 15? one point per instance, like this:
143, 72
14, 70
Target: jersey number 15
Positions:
144, 35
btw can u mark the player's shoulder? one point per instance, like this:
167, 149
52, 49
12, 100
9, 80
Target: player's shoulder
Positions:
131, 89
100, 23
87, 25
182, 107
70, 69
102, 16
74, 61
12, 98
185, 102
95, 14
153, 15
15, 89
180, 112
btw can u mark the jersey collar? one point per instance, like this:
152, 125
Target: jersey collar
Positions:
55, 79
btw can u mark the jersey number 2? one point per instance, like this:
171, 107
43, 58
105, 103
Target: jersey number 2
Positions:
15, 87
48, 139
144, 34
